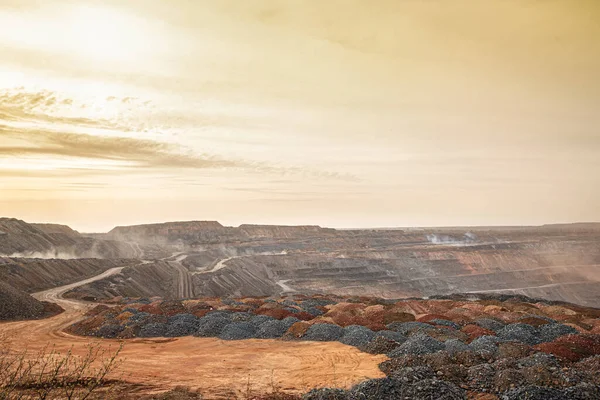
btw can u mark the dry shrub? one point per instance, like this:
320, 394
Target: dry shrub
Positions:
49, 374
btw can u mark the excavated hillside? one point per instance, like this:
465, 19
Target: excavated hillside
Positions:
21, 239
33, 275
554, 263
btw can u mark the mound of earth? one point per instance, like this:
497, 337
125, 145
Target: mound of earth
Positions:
18, 305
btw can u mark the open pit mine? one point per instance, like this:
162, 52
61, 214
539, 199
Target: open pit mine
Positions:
206, 311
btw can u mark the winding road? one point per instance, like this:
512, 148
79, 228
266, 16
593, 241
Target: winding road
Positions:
218, 368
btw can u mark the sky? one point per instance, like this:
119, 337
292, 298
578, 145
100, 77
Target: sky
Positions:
341, 113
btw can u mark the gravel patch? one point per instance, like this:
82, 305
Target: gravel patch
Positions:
406, 328
241, 317
392, 335
550, 332
419, 344
272, 329
326, 394
218, 314
583, 391
356, 335
139, 317
323, 333
520, 333
383, 388
534, 393
182, 328
453, 346
258, 320
490, 324
481, 377
184, 318
210, 327
153, 330
238, 331
379, 345
547, 360
109, 331
433, 389
413, 374
485, 345
445, 322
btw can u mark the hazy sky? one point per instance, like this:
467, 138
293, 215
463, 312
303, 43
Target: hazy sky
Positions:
343, 113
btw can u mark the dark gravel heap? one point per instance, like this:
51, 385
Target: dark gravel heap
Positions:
187, 318
583, 391
545, 359
212, 326
241, 316
182, 328
356, 335
326, 394
433, 389
323, 333
16, 305
383, 388
413, 374
238, 331
520, 333
455, 346
445, 322
534, 393
272, 329
481, 377
258, 320
140, 317
418, 344
109, 331
485, 345
153, 330
550, 332
490, 324
406, 328
392, 335
379, 345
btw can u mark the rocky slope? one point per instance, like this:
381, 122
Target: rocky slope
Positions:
33, 275
18, 305
21, 239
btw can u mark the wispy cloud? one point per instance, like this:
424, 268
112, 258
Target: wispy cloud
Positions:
34, 125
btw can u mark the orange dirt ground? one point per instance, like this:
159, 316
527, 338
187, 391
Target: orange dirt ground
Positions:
218, 368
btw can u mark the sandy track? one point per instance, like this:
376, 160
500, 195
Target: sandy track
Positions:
219, 368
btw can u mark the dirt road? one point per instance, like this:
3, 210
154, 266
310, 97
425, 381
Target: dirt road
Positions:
219, 368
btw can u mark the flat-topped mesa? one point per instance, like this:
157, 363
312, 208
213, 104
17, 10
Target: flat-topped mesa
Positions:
56, 229
170, 231
284, 231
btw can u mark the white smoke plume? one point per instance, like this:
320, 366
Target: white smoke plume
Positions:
45, 255
467, 238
